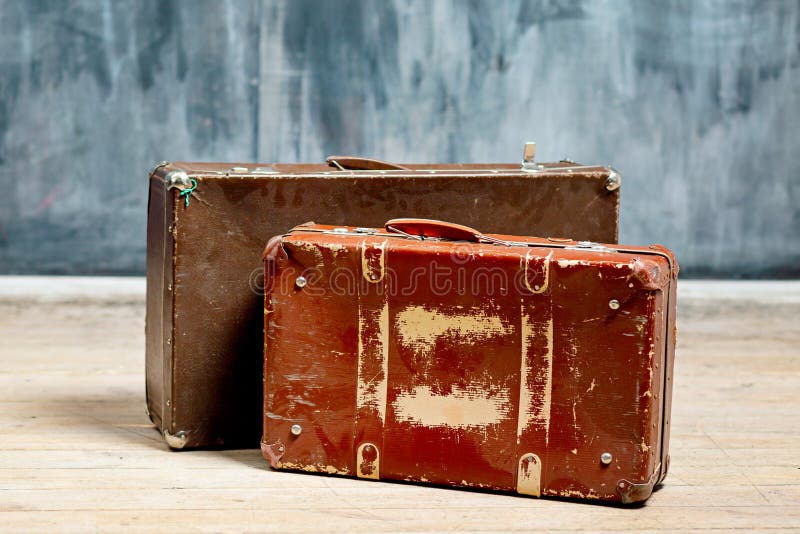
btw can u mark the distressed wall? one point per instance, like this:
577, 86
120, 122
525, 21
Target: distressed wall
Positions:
696, 102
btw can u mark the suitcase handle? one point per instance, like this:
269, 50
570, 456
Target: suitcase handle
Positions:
353, 163
422, 228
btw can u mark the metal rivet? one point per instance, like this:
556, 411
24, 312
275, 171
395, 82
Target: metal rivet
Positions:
301, 281
613, 304
536, 288
530, 458
296, 429
281, 448
368, 448
606, 458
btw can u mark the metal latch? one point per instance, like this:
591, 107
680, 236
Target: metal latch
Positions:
529, 158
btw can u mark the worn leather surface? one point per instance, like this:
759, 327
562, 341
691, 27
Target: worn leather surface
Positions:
462, 363
204, 317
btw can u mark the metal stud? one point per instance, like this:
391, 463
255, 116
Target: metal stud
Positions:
301, 281
606, 458
613, 304
296, 430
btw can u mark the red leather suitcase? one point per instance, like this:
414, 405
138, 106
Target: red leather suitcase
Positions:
429, 352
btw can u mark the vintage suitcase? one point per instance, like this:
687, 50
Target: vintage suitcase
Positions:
537, 366
207, 227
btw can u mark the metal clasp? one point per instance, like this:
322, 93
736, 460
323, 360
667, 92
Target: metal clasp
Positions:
529, 158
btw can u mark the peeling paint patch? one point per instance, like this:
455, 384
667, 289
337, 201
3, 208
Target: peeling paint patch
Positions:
574, 494
544, 415
535, 410
525, 393
311, 468
335, 248
462, 408
570, 263
419, 326
373, 359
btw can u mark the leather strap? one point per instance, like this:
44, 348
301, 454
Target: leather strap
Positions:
353, 163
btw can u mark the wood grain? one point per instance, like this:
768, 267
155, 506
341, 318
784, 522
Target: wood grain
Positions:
77, 452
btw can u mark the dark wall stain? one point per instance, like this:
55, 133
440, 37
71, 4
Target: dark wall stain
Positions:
159, 27
348, 51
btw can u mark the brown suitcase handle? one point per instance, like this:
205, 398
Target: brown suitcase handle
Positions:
422, 228
352, 163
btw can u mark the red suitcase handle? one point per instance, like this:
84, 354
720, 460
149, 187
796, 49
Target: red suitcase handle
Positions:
431, 228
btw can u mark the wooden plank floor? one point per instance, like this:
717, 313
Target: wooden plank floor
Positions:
77, 452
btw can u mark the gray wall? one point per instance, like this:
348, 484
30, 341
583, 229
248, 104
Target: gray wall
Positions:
696, 102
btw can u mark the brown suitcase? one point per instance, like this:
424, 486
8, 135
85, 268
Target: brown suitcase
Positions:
208, 224
428, 352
